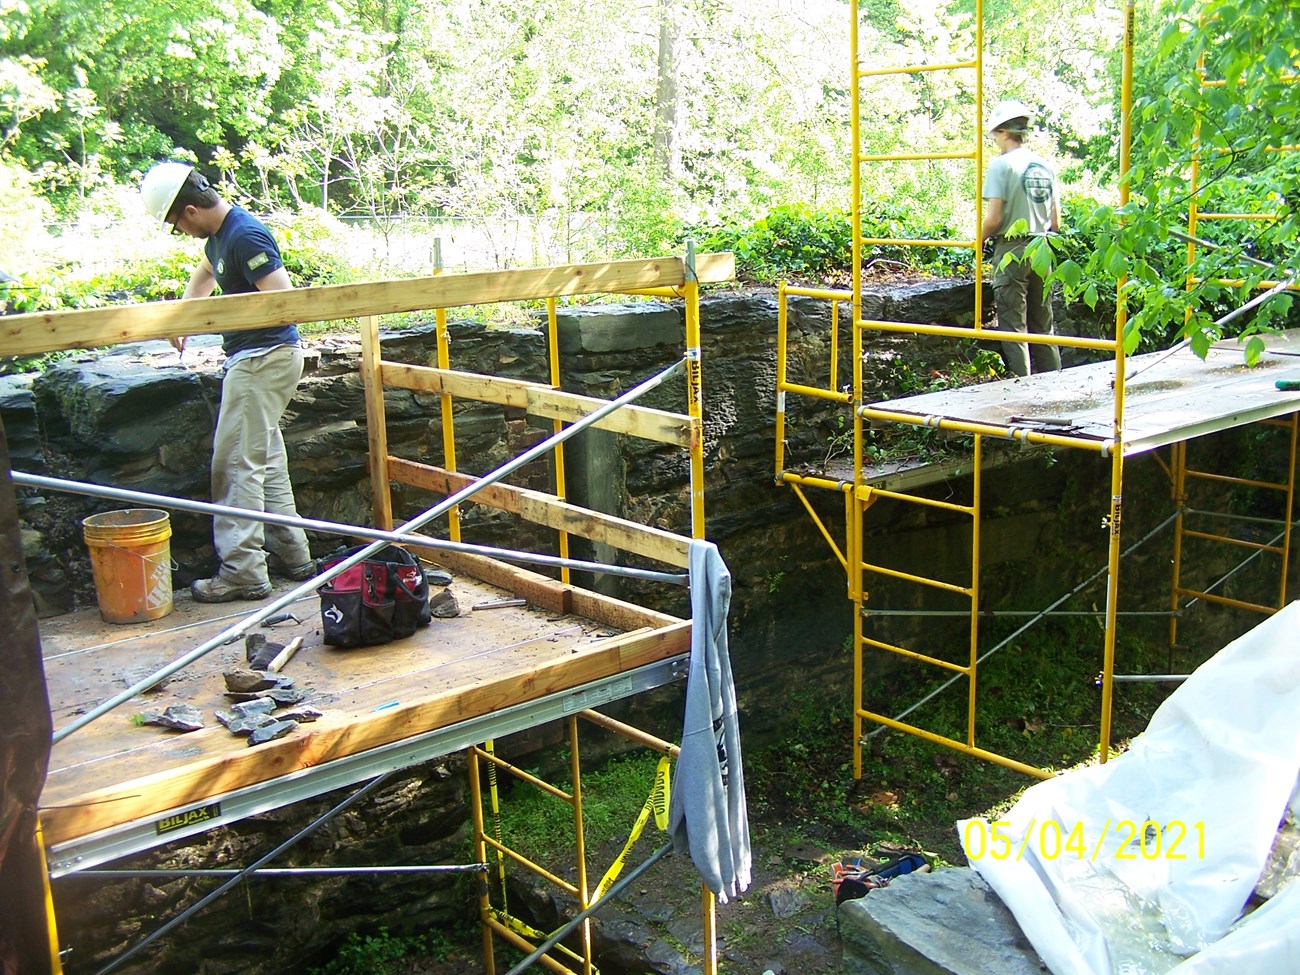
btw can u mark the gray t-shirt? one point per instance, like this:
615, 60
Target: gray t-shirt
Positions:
1026, 186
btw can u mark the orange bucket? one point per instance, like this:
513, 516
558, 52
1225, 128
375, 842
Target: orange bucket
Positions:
130, 554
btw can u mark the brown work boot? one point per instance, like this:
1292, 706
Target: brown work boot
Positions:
298, 573
218, 590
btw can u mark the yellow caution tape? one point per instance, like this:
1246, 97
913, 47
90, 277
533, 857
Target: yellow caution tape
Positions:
657, 803
525, 930
489, 746
663, 773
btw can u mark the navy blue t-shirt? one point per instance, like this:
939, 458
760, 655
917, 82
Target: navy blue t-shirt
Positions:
241, 253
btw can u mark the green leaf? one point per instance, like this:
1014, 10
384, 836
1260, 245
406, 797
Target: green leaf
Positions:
1201, 343
1254, 349
1132, 336
1041, 259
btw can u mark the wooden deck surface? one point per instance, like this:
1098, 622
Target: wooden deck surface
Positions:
1168, 397
114, 771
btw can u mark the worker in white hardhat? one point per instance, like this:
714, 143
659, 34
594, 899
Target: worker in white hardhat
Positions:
1020, 202
263, 365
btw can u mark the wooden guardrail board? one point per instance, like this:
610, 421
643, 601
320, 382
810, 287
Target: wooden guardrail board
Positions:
542, 400
92, 328
548, 510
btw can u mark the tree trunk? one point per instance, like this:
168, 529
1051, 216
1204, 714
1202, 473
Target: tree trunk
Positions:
668, 154
25, 729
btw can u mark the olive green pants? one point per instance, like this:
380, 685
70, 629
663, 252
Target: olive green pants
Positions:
1023, 305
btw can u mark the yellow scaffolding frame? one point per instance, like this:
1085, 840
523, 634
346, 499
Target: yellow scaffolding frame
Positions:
497, 920
1181, 473
861, 492
547, 399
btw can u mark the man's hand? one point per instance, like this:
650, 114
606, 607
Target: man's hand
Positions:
178, 343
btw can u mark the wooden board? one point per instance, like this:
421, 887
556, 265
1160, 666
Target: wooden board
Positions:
92, 328
542, 400
113, 771
546, 509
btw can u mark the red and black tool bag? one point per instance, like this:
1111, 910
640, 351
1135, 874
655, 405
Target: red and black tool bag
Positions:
384, 598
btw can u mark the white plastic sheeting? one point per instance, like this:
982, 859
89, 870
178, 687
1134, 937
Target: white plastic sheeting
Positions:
1143, 865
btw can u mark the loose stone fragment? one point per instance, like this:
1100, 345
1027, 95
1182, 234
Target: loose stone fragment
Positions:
260, 651
272, 731
245, 724
303, 715
245, 710
443, 605
244, 681
182, 717
284, 695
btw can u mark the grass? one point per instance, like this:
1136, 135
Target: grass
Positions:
541, 825
384, 953
1036, 705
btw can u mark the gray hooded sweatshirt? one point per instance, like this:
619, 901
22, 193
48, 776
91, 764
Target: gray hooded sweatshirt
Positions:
707, 815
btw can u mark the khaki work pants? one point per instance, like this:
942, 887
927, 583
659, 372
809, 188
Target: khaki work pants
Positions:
1023, 304
250, 468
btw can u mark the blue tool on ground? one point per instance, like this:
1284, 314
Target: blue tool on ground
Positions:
850, 880
1288, 384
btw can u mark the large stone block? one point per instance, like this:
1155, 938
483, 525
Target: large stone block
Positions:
949, 922
618, 328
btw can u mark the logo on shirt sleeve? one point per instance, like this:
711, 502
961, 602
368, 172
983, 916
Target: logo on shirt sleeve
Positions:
257, 261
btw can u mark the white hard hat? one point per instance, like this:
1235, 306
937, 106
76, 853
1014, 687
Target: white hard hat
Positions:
160, 187
1005, 111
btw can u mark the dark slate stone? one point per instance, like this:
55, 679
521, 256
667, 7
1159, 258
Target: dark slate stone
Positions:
124, 404
938, 301
949, 922
244, 724
663, 958
22, 431
616, 328
181, 717
787, 903
735, 312
272, 731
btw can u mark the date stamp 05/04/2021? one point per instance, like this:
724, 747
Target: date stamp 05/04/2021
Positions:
1050, 840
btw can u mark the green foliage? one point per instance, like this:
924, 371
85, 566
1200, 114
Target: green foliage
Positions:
791, 240
312, 245
130, 79
542, 825
153, 279
552, 149
1229, 130
644, 224
801, 242
314, 248
384, 953
22, 217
